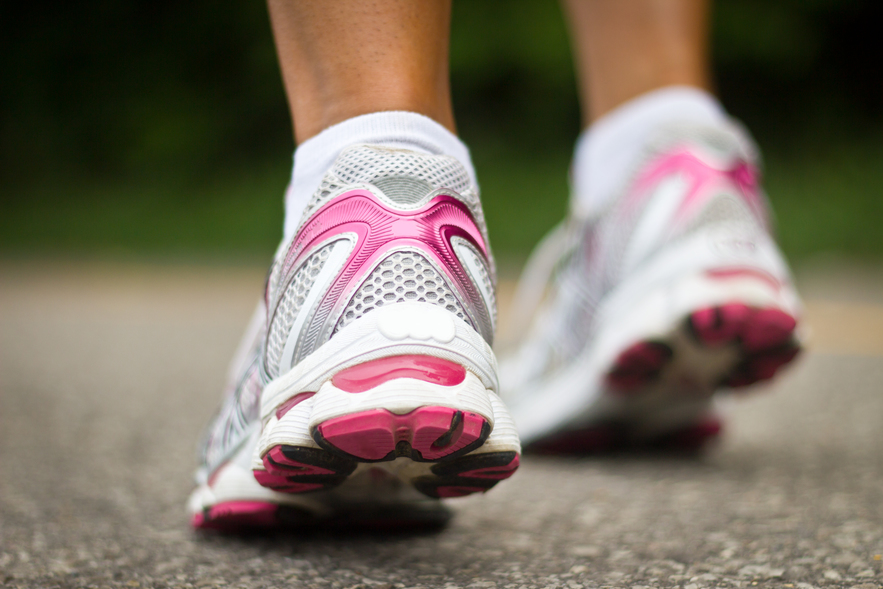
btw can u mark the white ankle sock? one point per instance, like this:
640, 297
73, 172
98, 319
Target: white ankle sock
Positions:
402, 130
606, 151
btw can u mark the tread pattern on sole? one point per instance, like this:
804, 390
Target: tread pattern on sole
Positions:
765, 339
427, 434
298, 469
469, 474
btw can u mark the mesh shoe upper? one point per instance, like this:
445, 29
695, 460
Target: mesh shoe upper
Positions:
690, 179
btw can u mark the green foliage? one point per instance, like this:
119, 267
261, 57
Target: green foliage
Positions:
827, 198
162, 126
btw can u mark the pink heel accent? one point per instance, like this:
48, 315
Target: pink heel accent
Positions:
764, 339
290, 403
366, 376
738, 272
431, 433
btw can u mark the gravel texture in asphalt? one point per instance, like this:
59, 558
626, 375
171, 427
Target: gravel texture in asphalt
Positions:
108, 373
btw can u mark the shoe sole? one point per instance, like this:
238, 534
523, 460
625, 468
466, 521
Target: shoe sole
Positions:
763, 339
231, 500
397, 421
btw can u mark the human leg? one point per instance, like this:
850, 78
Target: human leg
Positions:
625, 49
366, 383
358, 57
667, 284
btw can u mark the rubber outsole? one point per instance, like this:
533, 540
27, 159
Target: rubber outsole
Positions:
469, 474
441, 435
764, 339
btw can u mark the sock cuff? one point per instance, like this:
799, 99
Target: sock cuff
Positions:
396, 129
607, 150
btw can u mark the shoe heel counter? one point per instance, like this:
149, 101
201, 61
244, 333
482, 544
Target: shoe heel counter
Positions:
357, 253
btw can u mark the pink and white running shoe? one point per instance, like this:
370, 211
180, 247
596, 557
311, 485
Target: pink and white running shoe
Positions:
367, 377
642, 312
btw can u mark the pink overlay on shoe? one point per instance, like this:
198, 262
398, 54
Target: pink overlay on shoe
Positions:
366, 376
736, 272
290, 403
430, 432
378, 229
703, 179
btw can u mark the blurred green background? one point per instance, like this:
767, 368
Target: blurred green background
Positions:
160, 128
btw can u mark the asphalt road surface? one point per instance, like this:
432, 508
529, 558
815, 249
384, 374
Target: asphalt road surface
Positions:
108, 373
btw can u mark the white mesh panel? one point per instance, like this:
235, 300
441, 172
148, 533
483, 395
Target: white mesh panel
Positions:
401, 277
240, 410
365, 164
723, 208
484, 275
288, 307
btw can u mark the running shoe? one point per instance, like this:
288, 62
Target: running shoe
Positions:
366, 383
640, 313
